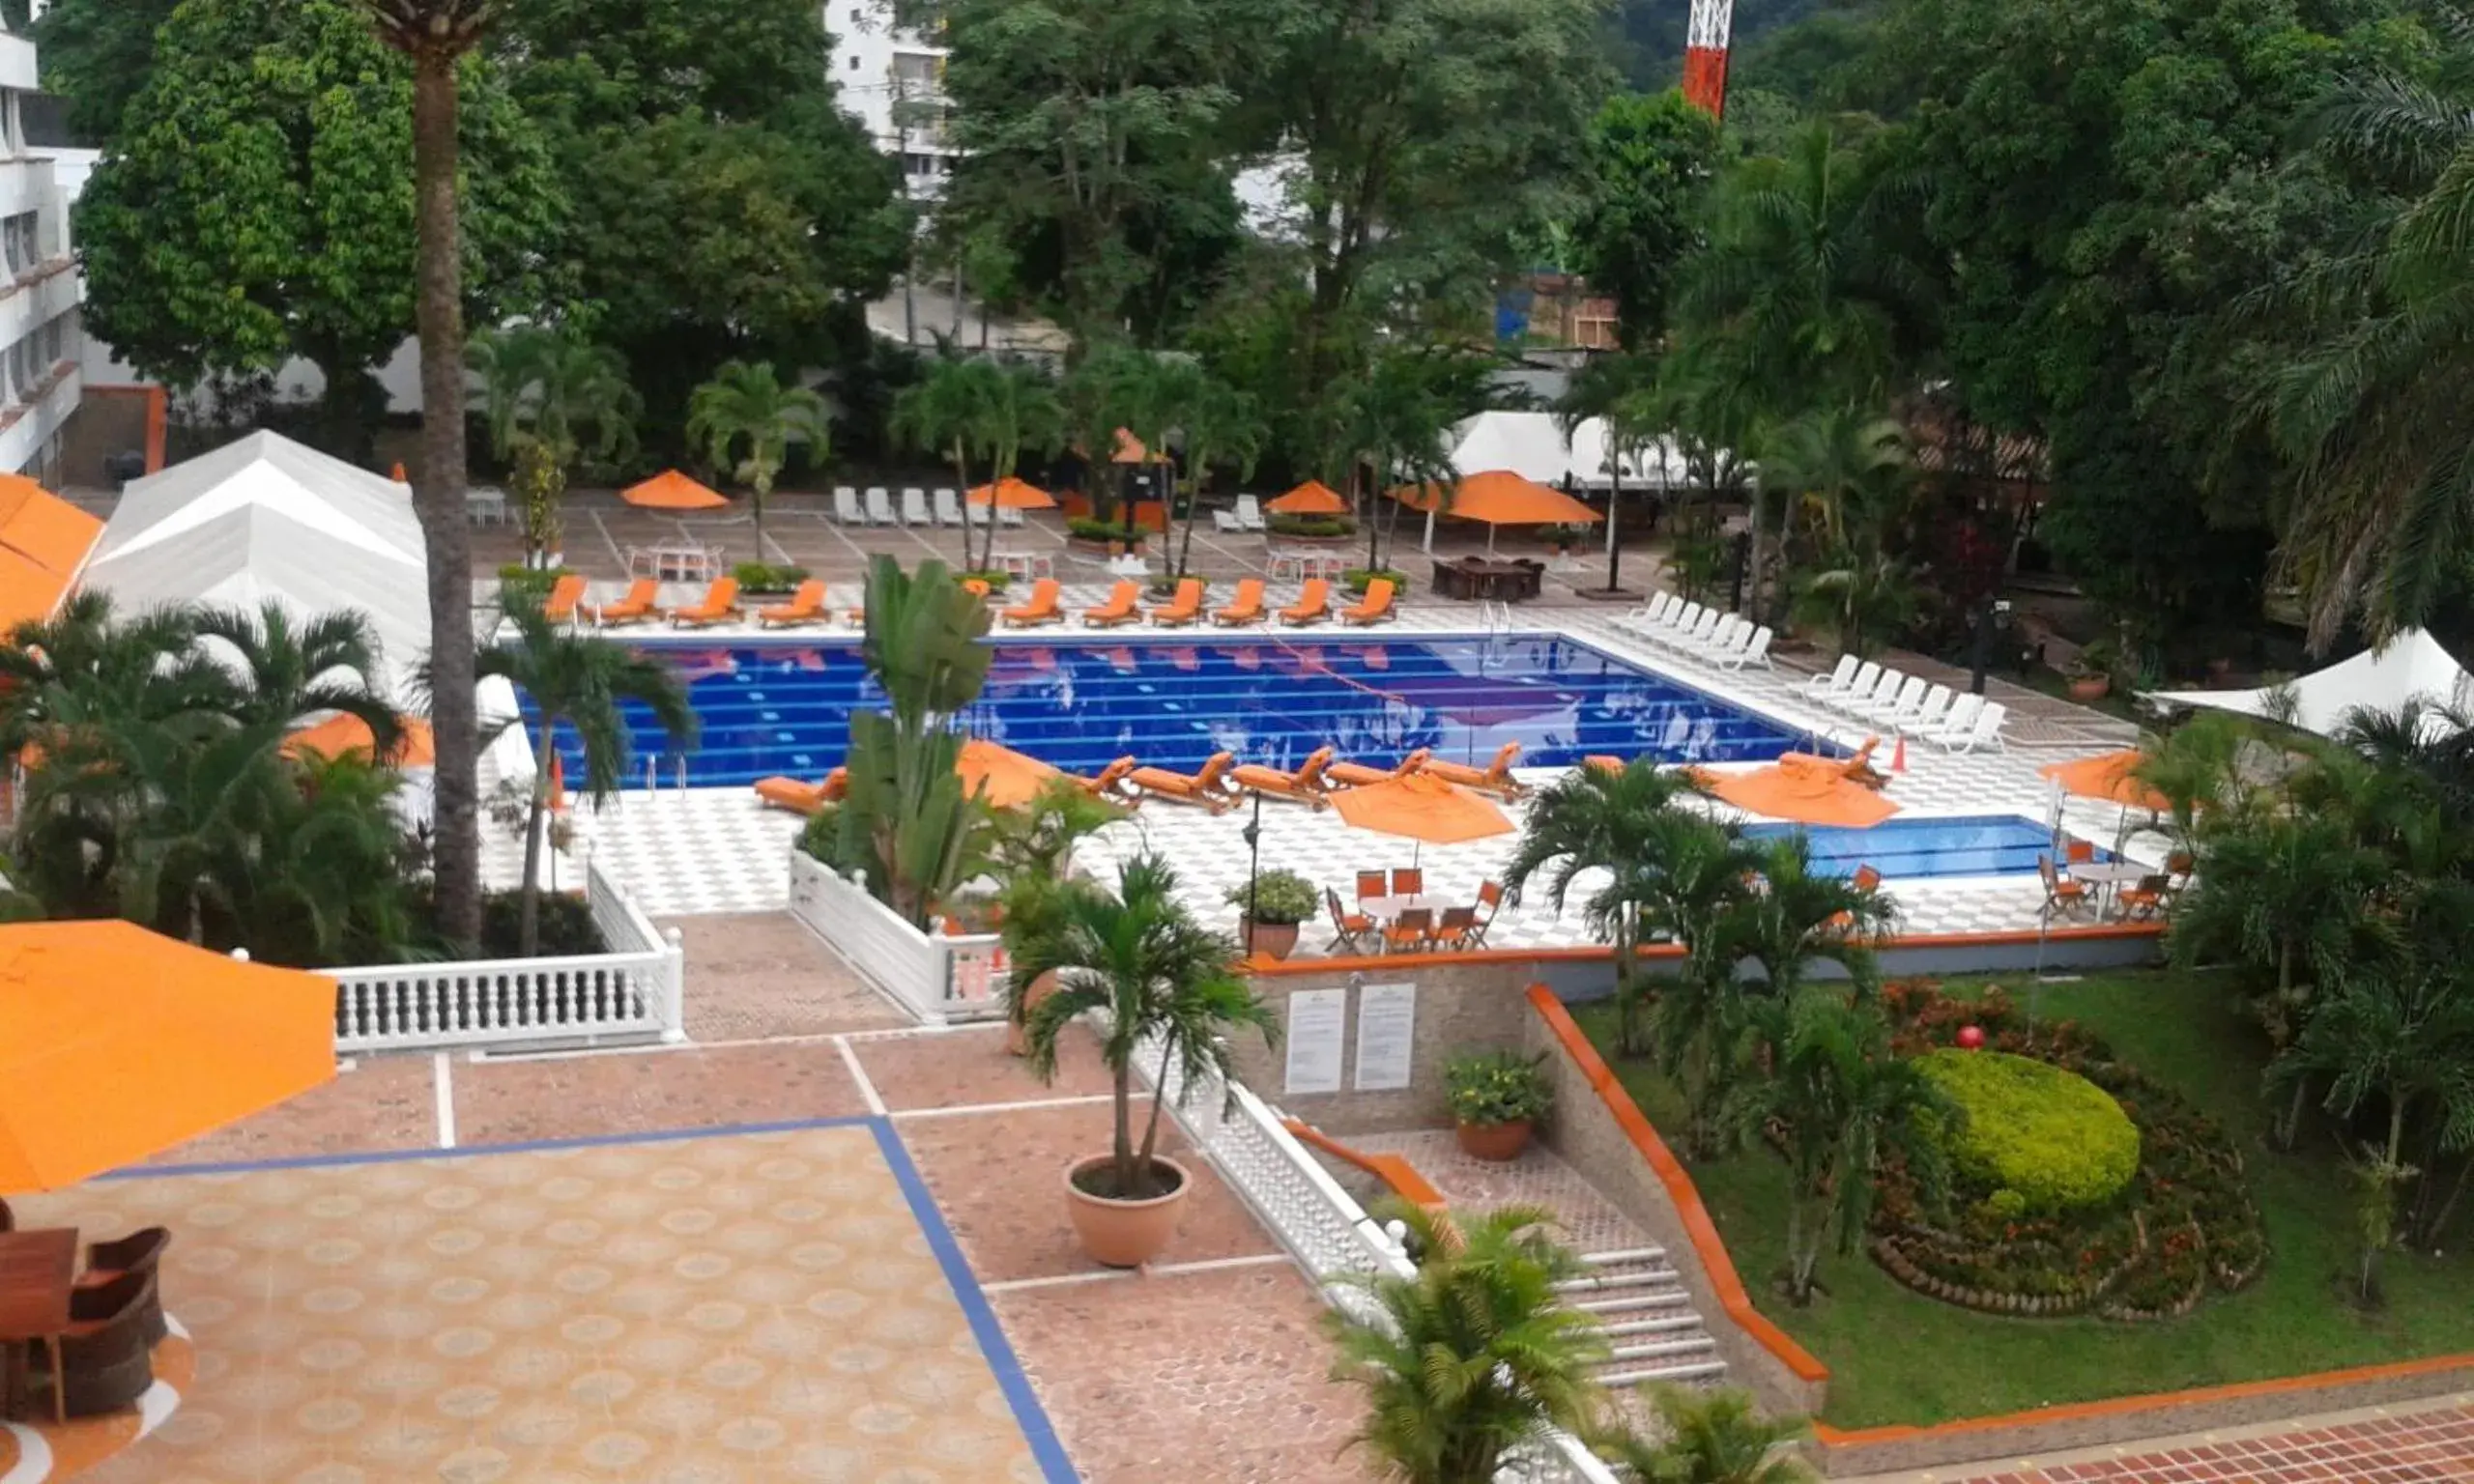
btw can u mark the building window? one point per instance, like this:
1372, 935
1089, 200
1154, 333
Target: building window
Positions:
854, 64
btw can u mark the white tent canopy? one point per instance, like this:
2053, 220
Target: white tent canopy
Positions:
268, 519
1533, 445
2413, 665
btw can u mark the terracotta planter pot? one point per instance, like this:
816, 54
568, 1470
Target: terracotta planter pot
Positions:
1016, 1040
2090, 687
1498, 1142
1278, 939
1124, 1234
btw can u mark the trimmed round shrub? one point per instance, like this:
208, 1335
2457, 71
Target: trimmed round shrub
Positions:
2055, 1139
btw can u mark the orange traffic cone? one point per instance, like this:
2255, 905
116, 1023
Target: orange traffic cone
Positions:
557, 784
1898, 754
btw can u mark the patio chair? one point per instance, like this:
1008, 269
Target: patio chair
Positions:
642, 602
1313, 605
1202, 787
1373, 883
806, 606
1407, 880
880, 507
2149, 899
1720, 640
1886, 684
1245, 610
2079, 852
719, 605
104, 1362
1374, 608
2068, 898
803, 798
1908, 696
141, 1251
914, 507
1838, 682
566, 595
1451, 930
1679, 619
1183, 610
1490, 905
1357, 775
1124, 605
1494, 778
1039, 610
1926, 714
1226, 523
1303, 787
1963, 713
1250, 513
2179, 865
1702, 629
1407, 933
1651, 612
846, 506
1755, 653
1110, 781
949, 508
1729, 643
1349, 928
1984, 731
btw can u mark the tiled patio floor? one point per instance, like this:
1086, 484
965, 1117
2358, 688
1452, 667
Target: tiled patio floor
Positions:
1589, 1221
757, 974
2392, 1446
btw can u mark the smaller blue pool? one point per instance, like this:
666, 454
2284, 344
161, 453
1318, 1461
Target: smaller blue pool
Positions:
1924, 849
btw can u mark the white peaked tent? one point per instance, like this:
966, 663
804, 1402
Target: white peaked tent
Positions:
269, 519
1533, 445
2380, 679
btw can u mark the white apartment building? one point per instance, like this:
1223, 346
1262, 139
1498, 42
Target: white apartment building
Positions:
39, 287
890, 78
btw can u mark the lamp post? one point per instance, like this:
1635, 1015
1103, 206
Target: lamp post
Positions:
1254, 837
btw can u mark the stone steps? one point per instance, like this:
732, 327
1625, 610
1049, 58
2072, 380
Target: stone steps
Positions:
1639, 1303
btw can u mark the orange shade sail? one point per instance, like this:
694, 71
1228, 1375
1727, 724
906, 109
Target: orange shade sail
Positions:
1422, 808
1012, 494
343, 734
1002, 776
1500, 498
2106, 775
670, 490
1313, 497
1801, 796
117, 1044
43, 542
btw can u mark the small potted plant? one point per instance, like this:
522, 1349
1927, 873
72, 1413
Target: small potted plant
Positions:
1496, 1097
1269, 912
2091, 674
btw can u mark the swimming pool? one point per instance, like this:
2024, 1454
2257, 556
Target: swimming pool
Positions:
1906, 849
772, 708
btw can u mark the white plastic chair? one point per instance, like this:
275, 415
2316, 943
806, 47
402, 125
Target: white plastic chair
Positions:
1838, 682
1961, 719
1757, 652
1869, 683
914, 507
1007, 515
949, 510
1250, 513
1927, 714
846, 506
880, 507
1910, 693
1226, 521
1699, 632
1731, 633
1986, 733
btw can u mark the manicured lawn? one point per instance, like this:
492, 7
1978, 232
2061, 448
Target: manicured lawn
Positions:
1898, 1356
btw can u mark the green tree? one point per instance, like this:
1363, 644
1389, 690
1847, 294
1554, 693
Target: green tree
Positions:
747, 405
579, 682
1802, 917
98, 54
1474, 1354
1651, 158
290, 672
548, 400
983, 408
1689, 882
1710, 1438
1388, 424
1222, 426
1615, 390
54, 669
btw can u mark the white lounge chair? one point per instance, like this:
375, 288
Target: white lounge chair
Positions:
1961, 717
1885, 713
1226, 521
1680, 619
1250, 513
1756, 652
914, 507
846, 506
1007, 515
1886, 684
1702, 629
1985, 732
1838, 682
1660, 604
880, 507
1928, 713
949, 510
1731, 632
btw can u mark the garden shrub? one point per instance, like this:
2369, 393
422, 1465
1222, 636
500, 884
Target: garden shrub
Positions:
1085, 528
763, 577
2053, 1137
1324, 526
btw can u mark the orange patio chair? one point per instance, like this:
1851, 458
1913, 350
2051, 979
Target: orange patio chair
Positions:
2079, 852
1348, 928
1374, 608
1490, 902
1124, 605
1313, 605
1040, 608
800, 797
1373, 883
1109, 784
1357, 775
1185, 608
1303, 787
719, 605
1408, 881
2068, 898
565, 594
1407, 934
1453, 928
806, 606
2150, 897
1246, 609
1494, 778
1204, 787
642, 602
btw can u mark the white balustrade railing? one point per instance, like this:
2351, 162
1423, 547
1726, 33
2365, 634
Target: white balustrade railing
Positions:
635, 992
941, 979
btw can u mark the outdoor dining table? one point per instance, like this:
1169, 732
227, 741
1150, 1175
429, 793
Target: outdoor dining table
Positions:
684, 560
1389, 908
1024, 565
1300, 565
37, 1270
2111, 877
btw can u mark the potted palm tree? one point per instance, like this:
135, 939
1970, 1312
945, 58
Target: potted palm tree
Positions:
1169, 993
1269, 910
1033, 847
1496, 1097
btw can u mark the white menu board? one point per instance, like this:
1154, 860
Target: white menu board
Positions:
1317, 1023
1387, 1019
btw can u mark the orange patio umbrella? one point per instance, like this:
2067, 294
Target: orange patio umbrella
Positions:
1129, 449
117, 1044
1003, 777
1012, 494
670, 490
1313, 497
2108, 776
344, 732
1497, 497
1423, 808
1801, 797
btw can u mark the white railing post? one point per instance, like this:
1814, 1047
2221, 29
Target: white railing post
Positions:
674, 988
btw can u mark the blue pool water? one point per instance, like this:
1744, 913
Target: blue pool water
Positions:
1920, 850
784, 707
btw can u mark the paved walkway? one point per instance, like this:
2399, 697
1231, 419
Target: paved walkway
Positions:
2375, 1445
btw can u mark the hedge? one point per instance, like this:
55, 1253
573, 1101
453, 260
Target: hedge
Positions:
2054, 1138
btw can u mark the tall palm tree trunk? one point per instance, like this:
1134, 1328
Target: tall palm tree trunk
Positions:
438, 498
1614, 537
529, 922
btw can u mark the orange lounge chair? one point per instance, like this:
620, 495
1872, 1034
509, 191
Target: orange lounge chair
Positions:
806, 606
1374, 608
1857, 769
719, 605
1040, 608
1313, 605
1494, 778
1124, 605
559, 607
1357, 775
1202, 788
803, 798
1248, 608
1110, 782
1303, 787
642, 602
1184, 609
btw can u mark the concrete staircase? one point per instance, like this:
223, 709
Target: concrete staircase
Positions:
1648, 1318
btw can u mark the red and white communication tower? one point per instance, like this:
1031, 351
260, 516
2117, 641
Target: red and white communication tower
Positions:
1705, 54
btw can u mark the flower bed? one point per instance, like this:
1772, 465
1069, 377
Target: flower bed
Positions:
2183, 1223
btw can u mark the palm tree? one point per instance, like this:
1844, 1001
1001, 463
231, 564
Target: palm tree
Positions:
293, 672
1222, 425
437, 34
1391, 424
946, 414
1473, 1356
1611, 388
548, 399
1710, 1438
1162, 981
334, 869
86, 651
747, 404
581, 681
1850, 465
1800, 917
1690, 881
1864, 595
